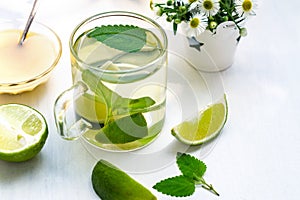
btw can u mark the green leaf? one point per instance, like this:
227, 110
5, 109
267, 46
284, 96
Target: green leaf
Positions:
126, 38
142, 102
190, 166
178, 186
184, 185
123, 130
95, 84
120, 105
175, 26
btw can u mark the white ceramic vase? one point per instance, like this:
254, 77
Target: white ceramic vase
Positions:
209, 52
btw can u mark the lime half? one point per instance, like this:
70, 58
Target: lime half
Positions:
23, 132
203, 127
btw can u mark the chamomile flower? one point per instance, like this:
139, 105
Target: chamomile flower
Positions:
195, 16
209, 7
246, 7
195, 26
194, 7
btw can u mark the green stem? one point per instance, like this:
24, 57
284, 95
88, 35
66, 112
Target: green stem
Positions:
229, 11
207, 186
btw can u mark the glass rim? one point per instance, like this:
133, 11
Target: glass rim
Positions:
58, 48
112, 14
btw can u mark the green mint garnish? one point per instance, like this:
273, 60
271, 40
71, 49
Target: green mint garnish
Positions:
178, 186
126, 38
123, 130
192, 170
116, 104
190, 166
131, 125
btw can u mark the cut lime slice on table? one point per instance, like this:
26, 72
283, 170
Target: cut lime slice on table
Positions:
23, 132
203, 127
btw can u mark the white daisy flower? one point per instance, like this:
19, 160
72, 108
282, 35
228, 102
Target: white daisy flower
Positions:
195, 26
246, 7
209, 7
194, 6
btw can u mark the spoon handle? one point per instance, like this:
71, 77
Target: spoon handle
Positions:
28, 24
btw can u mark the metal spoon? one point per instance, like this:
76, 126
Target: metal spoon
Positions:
28, 24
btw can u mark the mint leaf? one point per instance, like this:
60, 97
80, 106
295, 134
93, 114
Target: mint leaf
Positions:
184, 185
126, 38
95, 84
190, 166
123, 130
142, 102
116, 103
125, 106
132, 124
178, 186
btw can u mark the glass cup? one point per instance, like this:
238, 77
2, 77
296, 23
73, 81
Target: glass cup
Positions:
22, 68
119, 72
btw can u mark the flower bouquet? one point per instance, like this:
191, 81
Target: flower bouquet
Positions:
211, 26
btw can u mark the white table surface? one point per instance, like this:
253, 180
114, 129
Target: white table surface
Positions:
257, 157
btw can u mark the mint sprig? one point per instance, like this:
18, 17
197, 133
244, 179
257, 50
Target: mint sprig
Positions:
178, 186
126, 38
192, 170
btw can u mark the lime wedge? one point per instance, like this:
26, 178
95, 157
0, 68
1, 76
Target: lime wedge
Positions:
23, 132
205, 126
111, 183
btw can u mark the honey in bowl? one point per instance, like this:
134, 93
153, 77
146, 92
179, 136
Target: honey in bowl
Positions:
23, 67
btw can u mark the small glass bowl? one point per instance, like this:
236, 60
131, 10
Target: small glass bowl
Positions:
39, 78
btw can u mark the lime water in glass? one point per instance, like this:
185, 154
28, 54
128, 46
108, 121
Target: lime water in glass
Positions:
119, 60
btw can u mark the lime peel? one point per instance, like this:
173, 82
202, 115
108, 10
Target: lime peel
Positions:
205, 126
111, 183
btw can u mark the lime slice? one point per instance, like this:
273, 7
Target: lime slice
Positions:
91, 107
205, 126
23, 132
